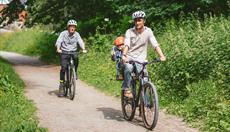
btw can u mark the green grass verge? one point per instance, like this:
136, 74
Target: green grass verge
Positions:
16, 112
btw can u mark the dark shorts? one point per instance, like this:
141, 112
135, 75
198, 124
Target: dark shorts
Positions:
65, 60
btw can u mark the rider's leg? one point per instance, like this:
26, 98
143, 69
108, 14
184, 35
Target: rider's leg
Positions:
119, 74
64, 62
128, 68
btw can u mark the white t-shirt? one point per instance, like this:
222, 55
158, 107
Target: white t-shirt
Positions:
69, 43
138, 43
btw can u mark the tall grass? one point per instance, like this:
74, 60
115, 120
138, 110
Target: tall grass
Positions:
16, 112
96, 67
194, 82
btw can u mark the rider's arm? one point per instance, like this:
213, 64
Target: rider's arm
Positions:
125, 51
156, 46
160, 53
127, 45
80, 42
58, 42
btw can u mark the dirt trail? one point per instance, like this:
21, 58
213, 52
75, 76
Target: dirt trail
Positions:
91, 111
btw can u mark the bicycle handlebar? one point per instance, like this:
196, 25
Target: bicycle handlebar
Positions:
69, 52
156, 60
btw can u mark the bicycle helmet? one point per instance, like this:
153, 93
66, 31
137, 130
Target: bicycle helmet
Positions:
138, 14
72, 22
119, 41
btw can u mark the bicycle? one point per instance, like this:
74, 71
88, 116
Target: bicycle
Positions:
70, 78
147, 95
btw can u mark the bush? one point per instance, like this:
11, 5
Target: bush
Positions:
196, 73
34, 42
96, 67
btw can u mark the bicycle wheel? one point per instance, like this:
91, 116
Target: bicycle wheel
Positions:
149, 105
72, 84
128, 105
66, 86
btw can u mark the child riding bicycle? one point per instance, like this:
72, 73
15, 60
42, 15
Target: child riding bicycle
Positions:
67, 42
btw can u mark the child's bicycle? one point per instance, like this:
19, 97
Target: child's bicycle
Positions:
70, 78
146, 94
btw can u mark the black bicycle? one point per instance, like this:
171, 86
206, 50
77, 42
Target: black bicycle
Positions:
70, 78
146, 95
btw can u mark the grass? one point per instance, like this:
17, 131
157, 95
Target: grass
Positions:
16, 112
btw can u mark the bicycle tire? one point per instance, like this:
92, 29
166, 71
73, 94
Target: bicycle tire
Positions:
128, 114
149, 95
72, 84
66, 86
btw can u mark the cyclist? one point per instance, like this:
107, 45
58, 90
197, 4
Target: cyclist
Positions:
136, 41
67, 41
116, 55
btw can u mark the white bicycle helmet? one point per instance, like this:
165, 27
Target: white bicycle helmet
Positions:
138, 14
72, 22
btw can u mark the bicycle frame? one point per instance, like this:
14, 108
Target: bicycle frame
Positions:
141, 77
70, 66
146, 94
70, 76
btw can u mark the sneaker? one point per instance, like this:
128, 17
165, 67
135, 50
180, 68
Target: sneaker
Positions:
61, 90
128, 93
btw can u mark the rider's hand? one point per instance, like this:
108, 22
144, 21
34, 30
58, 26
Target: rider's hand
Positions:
59, 50
124, 59
84, 51
162, 58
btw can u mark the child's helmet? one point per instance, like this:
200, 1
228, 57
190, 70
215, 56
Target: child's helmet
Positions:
119, 41
72, 22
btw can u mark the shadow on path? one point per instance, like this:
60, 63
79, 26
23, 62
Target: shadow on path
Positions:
113, 114
54, 92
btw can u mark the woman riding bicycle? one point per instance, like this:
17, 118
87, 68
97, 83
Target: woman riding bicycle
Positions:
136, 41
67, 41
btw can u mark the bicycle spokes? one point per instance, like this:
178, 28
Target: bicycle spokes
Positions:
149, 105
128, 107
149, 109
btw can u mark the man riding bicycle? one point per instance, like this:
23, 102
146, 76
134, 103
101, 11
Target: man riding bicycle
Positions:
136, 42
67, 42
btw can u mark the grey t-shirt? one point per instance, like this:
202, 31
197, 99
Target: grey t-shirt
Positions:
138, 43
69, 43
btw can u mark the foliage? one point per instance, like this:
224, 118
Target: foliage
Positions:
199, 48
12, 10
91, 14
16, 112
196, 73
